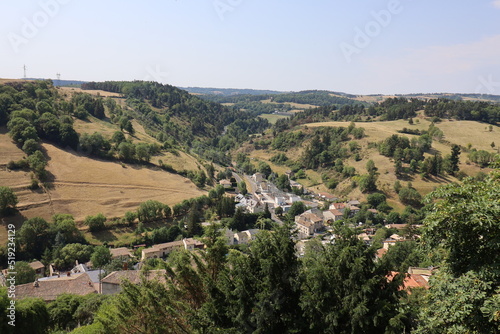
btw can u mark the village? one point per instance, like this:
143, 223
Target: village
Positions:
323, 210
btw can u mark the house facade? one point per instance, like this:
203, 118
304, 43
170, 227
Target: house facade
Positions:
332, 215
162, 250
307, 224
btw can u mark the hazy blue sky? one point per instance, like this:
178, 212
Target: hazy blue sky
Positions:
363, 46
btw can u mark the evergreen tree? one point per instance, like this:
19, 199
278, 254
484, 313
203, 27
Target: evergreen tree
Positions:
454, 159
344, 290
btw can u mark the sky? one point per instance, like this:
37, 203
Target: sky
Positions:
357, 47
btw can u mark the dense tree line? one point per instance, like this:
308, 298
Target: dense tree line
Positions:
316, 98
251, 103
265, 289
394, 109
403, 149
172, 114
327, 145
34, 111
463, 110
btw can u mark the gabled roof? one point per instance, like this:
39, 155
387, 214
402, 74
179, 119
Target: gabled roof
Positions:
311, 217
122, 251
252, 232
191, 241
412, 281
134, 276
327, 196
304, 222
164, 246
77, 284
336, 212
37, 265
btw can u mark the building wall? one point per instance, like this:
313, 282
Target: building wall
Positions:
110, 289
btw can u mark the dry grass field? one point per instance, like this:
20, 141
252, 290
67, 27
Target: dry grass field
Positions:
19, 181
85, 186
272, 118
2, 81
103, 93
178, 162
294, 105
455, 132
107, 129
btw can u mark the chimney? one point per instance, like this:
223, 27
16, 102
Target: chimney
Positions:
36, 284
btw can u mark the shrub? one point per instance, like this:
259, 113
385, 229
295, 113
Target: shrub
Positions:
20, 164
410, 196
95, 223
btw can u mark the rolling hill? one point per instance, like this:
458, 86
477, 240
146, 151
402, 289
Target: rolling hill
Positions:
469, 135
81, 184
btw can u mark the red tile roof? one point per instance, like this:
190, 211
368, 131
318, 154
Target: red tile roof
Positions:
336, 212
381, 252
412, 281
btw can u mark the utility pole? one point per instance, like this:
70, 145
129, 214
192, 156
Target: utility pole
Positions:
58, 79
24, 71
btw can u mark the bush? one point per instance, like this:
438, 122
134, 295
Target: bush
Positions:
34, 185
130, 217
153, 210
8, 200
367, 183
376, 199
95, 223
20, 164
332, 184
30, 146
410, 196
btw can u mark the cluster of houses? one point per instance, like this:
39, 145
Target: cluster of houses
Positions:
190, 244
81, 281
314, 221
268, 195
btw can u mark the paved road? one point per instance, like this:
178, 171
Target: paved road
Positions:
253, 186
